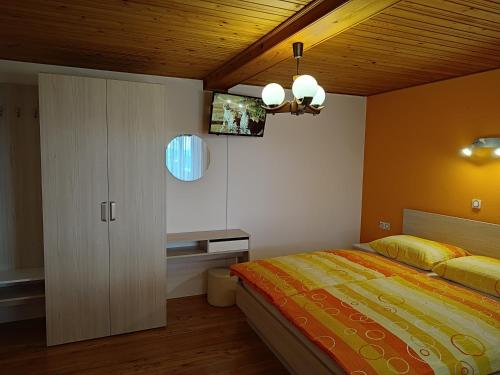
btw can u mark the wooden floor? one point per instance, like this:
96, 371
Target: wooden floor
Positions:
199, 340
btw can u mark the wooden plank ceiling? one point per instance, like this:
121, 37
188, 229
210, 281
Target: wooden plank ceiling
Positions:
410, 43
320, 20
180, 38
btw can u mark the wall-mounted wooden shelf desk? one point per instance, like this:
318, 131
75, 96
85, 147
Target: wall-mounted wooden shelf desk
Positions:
191, 254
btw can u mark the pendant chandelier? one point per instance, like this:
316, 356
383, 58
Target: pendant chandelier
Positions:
308, 95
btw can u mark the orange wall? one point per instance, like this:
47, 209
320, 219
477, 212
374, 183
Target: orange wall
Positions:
413, 138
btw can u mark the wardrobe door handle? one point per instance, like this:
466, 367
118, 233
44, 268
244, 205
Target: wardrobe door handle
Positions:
112, 211
104, 211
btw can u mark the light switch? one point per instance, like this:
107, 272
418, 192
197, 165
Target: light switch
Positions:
476, 204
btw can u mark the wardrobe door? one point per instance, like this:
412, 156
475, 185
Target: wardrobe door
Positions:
137, 191
74, 183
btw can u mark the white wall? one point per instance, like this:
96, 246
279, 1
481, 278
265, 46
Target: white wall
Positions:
299, 187
296, 189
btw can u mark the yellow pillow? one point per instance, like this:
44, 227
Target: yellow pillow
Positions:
415, 251
477, 272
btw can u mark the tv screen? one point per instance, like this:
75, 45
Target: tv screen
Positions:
237, 115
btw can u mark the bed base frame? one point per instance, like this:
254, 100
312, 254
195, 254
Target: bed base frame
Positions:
289, 345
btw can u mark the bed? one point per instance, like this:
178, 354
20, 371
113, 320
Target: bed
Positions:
379, 316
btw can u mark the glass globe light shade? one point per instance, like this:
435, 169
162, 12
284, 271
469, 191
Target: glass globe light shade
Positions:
497, 152
273, 94
320, 97
304, 86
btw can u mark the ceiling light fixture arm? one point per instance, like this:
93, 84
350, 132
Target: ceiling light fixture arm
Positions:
295, 107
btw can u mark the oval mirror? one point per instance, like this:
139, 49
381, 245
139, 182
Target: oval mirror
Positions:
187, 157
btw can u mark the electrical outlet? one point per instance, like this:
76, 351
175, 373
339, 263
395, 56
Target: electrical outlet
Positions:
476, 204
384, 225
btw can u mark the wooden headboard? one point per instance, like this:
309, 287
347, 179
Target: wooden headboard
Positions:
477, 237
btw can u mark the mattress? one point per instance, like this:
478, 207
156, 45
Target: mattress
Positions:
392, 321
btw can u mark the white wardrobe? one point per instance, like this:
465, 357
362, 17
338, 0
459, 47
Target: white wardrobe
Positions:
104, 206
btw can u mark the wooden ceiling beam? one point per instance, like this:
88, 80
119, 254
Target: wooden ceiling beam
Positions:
314, 24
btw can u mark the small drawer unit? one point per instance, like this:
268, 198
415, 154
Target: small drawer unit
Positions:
222, 245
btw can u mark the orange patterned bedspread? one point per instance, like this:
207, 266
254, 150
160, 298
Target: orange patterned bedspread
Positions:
291, 274
393, 321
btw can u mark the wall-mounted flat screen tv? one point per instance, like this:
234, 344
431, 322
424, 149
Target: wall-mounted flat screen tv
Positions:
237, 115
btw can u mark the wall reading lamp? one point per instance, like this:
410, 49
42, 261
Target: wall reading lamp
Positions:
492, 143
